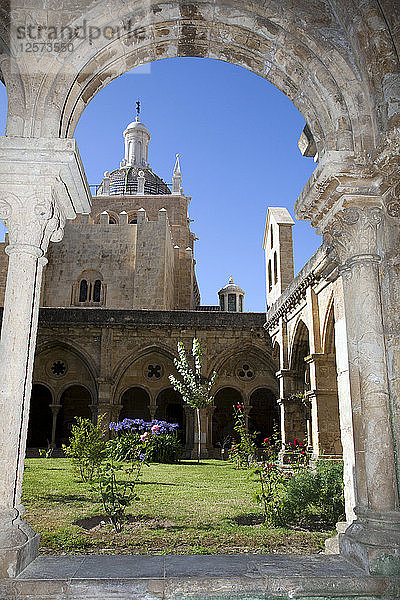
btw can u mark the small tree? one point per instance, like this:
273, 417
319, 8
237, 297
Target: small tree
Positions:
194, 387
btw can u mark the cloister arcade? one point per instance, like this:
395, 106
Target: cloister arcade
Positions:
339, 63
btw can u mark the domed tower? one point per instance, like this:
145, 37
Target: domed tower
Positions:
135, 176
231, 297
137, 239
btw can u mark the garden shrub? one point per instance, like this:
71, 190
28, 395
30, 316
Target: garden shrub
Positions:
162, 443
315, 495
87, 447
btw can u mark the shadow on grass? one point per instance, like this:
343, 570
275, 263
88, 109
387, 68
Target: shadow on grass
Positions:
194, 463
156, 483
248, 519
138, 521
62, 498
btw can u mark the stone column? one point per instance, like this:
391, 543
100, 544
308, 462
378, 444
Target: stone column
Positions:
373, 539
324, 404
30, 226
55, 409
41, 184
105, 405
293, 415
209, 441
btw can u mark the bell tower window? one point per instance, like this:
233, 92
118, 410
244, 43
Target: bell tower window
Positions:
97, 291
89, 290
83, 291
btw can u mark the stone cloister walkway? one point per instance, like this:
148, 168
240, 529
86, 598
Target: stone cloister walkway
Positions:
179, 577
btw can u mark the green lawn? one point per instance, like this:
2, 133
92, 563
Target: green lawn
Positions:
183, 509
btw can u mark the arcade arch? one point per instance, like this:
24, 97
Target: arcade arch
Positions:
341, 77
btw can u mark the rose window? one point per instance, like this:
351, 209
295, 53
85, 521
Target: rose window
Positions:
245, 372
154, 371
58, 368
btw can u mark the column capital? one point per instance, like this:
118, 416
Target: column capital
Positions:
42, 183
342, 179
353, 234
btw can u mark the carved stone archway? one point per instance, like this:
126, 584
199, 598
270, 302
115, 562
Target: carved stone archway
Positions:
338, 62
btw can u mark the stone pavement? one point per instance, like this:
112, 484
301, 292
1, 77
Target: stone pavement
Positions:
249, 577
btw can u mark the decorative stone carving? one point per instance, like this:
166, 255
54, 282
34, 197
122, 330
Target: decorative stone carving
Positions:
353, 233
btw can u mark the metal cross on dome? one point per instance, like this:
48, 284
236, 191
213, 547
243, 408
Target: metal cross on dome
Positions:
137, 108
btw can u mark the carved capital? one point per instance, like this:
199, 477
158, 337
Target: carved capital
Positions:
353, 233
392, 203
32, 221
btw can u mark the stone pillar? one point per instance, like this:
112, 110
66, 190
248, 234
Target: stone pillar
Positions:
30, 230
293, 410
55, 409
104, 404
152, 408
209, 441
323, 398
40, 186
373, 539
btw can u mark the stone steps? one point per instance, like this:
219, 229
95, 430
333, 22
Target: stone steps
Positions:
248, 577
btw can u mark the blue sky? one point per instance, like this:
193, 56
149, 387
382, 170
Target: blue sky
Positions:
237, 136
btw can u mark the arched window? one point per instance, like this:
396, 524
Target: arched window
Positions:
272, 235
240, 303
275, 267
112, 221
83, 291
97, 291
269, 276
89, 289
222, 302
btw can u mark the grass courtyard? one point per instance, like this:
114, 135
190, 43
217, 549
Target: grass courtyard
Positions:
183, 509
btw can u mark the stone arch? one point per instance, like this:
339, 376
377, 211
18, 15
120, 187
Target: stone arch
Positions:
328, 331
329, 429
299, 349
40, 417
112, 216
222, 421
132, 357
75, 401
135, 402
257, 352
263, 413
134, 369
307, 64
49, 347
170, 408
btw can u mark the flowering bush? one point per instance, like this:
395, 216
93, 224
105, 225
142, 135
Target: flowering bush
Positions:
243, 450
157, 440
87, 447
296, 454
298, 495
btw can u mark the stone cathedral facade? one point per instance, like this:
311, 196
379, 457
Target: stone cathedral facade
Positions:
119, 292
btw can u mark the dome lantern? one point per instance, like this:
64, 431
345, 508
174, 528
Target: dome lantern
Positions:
137, 138
231, 297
